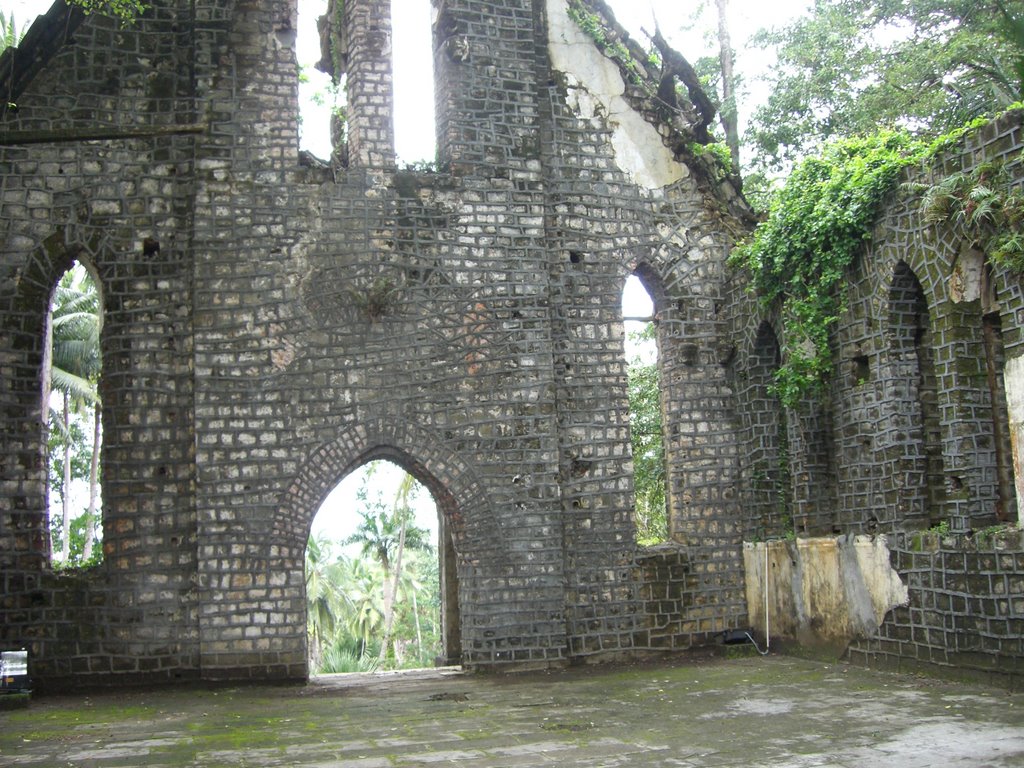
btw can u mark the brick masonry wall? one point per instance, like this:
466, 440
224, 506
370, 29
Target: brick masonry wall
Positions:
966, 611
914, 432
297, 322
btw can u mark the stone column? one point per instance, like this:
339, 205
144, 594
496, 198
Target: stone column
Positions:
371, 130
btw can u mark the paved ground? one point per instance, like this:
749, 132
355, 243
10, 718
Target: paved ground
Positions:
773, 711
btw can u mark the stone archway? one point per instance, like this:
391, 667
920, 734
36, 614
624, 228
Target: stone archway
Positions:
449, 480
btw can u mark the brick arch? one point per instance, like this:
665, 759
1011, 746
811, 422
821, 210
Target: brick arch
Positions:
23, 340
459, 494
909, 439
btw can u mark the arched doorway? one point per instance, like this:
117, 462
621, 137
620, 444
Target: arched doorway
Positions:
380, 575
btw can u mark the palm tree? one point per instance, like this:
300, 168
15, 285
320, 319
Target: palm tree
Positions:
324, 597
362, 590
383, 535
74, 353
10, 35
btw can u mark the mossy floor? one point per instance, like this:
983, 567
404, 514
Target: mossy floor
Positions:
772, 711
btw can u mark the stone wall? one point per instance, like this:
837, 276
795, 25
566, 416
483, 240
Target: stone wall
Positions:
966, 609
270, 325
915, 433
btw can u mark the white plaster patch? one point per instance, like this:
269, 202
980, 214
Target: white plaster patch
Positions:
597, 88
884, 585
965, 279
1013, 382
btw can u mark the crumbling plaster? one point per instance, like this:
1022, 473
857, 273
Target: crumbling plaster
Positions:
595, 91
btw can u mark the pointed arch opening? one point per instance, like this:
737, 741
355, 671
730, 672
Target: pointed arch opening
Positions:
72, 408
646, 422
380, 577
911, 438
769, 455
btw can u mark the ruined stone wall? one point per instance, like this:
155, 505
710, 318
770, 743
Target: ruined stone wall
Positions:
965, 615
296, 322
97, 201
915, 432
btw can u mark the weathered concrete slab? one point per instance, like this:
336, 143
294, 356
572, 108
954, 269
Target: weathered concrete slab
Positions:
771, 711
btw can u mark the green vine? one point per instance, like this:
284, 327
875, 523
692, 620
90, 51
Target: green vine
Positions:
721, 154
985, 209
816, 226
820, 219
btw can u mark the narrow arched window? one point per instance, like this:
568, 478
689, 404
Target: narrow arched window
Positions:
71, 400
645, 412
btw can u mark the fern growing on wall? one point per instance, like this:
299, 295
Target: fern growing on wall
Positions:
984, 209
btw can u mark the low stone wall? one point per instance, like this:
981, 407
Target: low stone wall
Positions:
821, 591
966, 607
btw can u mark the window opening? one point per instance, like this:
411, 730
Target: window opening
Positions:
74, 434
321, 86
645, 412
413, 73
374, 595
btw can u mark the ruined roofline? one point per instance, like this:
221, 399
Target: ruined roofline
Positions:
45, 38
652, 92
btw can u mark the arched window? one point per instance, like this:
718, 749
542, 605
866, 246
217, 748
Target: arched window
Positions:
71, 400
768, 455
645, 412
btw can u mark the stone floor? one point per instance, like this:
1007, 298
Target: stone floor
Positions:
707, 712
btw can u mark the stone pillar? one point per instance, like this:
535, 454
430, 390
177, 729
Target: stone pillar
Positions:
371, 130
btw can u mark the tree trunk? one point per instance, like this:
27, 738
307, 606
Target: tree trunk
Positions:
389, 605
65, 545
726, 57
419, 633
94, 482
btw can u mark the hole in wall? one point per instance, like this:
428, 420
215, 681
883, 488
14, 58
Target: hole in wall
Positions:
861, 370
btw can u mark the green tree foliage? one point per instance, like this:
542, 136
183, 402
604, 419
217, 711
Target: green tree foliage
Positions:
10, 34
853, 66
124, 10
74, 341
648, 445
